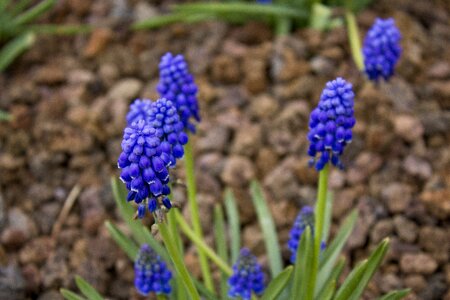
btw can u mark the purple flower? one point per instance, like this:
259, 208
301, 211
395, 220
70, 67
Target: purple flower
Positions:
177, 85
381, 49
139, 110
331, 123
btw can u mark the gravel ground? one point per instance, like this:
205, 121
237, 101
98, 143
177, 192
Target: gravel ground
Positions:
69, 97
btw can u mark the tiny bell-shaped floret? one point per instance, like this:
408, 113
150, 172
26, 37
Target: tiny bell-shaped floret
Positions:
177, 85
247, 277
304, 219
144, 166
139, 110
331, 123
381, 49
151, 273
165, 119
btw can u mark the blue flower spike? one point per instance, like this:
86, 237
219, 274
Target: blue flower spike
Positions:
144, 164
331, 123
139, 110
177, 85
151, 273
304, 219
381, 49
247, 277
169, 128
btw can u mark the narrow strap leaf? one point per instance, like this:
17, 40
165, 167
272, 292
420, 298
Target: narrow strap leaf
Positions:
86, 289
233, 222
277, 284
268, 228
127, 245
69, 295
351, 282
221, 246
395, 295
15, 48
34, 12
333, 276
303, 266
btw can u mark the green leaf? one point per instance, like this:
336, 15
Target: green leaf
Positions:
61, 29
4, 116
395, 295
34, 12
328, 292
351, 282
233, 221
373, 263
320, 17
250, 9
268, 228
221, 246
127, 245
176, 17
303, 266
140, 233
88, 290
333, 277
69, 295
15, 48
203, 291
19, 7
277, 284
333, 251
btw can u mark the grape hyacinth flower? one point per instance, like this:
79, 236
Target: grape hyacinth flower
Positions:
331, 123
144, 167
247, 277
151, 273
304, 219
177, 85
164, 118
139, 110
381, 49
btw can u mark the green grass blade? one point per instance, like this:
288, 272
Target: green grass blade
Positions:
303, 266
333, 251
69, 295
395, 295
19, 7
328, 291
277, 284
34, 12
251, 9
351, 282
221, 246
373, 263
268, 229
333, 277
61, 29
88, 290
127, 245
14, 48
207, 294
140, 233
233, 222
4, 116
176, 17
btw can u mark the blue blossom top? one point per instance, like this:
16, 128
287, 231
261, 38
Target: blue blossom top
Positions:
151, 273
144, 167
164, 118
304, 219
331, 123
139, 110
381, 49
247, 277
177, 85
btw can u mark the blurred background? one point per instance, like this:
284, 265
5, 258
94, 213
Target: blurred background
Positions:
71, 69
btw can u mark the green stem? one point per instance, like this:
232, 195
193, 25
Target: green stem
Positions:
161, 297
177, 260
319, 221
195, 216
202, 245
282, 26
353, 36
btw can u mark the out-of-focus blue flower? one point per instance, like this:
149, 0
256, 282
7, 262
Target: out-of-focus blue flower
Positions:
151, 273
247, 277
304, 219
177, 85
144, 166
381, 49
165, 119
264, 1
139, 110
331, 123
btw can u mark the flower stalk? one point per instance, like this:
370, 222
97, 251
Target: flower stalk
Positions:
353, 36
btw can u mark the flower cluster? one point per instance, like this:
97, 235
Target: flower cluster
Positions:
331, 124
139, 110
177, 85
151, 273
304, 219
144, 167
247, 277
164, 118
381, 49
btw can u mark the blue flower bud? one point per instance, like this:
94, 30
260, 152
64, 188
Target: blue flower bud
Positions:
139, 110
381, 49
